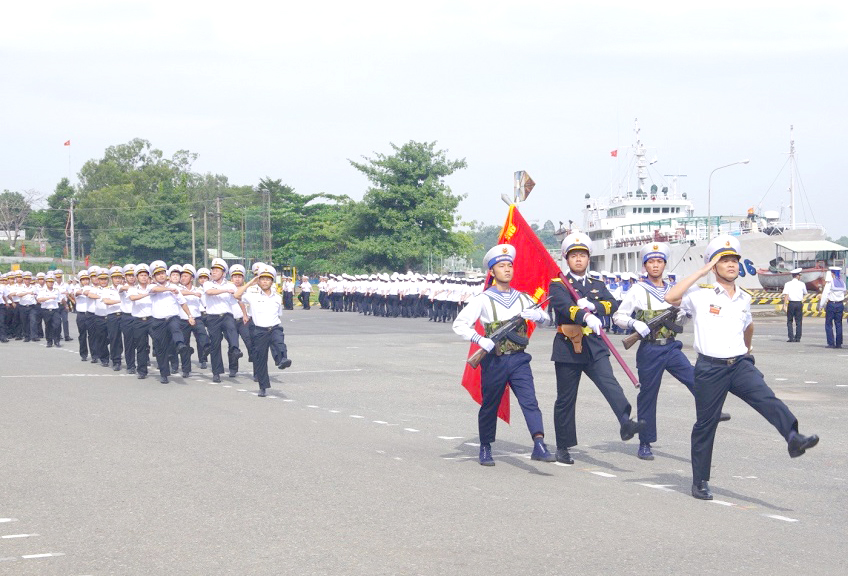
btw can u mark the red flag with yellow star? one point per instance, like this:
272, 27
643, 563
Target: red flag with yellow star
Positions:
532, 272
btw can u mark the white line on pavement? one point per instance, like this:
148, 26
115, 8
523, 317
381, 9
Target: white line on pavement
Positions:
722, 502
18, 535
48, 555
411, 430
450, 437
778, 517
4, 520
602, 474
663, 487
356, 416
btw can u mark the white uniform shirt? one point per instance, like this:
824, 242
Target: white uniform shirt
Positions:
218, 303
83, 302
55, 295
126, 303
637, 299
27, 294
192, 301
97, 305
305, 286
720, 320
833, 291
795, 289
166, 304
111, 293
506, 305
142, 308
265, 309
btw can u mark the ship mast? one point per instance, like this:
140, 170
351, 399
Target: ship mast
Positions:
641, 163
791, 178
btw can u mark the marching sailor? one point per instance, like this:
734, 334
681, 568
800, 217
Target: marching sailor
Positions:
166, 302
724, 330
658, 351
578, 348
509, 363
219, 319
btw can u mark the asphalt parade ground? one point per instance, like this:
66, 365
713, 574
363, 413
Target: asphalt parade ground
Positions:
363, 460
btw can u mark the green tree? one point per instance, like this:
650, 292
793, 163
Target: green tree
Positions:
409, 212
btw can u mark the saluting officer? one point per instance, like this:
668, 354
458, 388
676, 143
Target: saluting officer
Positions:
509, 363
833, 302
793, 303
578, 348
724, 330
658, 352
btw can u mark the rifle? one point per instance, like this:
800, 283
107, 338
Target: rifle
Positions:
665, 319
501, 333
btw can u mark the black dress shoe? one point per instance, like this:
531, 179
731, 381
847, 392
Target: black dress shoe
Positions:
284, 363
792, 340
185, 348
797, 339
163, 379
184, 374
236, 353
57, 344
564, 457
701, 491
130, 370
629, 428
95, 361
68, 339
50, 344
724, 417
216, 378
203, 365
141, 376
36, 339
233, 374
175, 368
798, 444
116, 367
84, 358
262, 393
104, 364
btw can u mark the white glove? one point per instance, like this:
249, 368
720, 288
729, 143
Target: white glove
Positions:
593, 322
682, 318
586, 303
486, 344
641, 328
534, 314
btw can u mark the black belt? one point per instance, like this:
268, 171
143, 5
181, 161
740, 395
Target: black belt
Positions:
143, 318
114, 314
721, 361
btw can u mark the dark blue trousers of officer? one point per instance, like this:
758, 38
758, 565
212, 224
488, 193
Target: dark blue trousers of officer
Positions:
115, 337
497, 372
82, 329
99, 339
713, 380
200, 337
568, 375
652, 360
167, 338
221, 326
833, 320
63, 315
127, 327
53, 326
265, 339
794, 313
142, 332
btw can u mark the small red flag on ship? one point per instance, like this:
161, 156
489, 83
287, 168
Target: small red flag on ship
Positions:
67, 143
614, 153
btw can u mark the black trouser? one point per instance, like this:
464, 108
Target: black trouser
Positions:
115, 337
53, 325
167, 337
200, 337
127, 326
246, 334
92, 337
712, 383
82, 328
36, 318
263, 339
288, 300
304, 299
143, 330
63, 316
100, 345
23, 320
568, 375
221, 326
794, 311
2, 321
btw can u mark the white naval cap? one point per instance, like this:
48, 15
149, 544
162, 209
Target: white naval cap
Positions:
129, 270
49, 277
157, 266
499, 253
220, 263
57, 272
796, 271
190, 269
723, 245
142, 268
593, 274
204, 272
236, 269
654, 250
175, 268
266, 272
82, 274
835, 269
116, 271
40, 275
575, 241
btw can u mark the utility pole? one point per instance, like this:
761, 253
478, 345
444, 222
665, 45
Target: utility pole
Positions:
193, 249
218, 214
266, 225
73, 248
205, 240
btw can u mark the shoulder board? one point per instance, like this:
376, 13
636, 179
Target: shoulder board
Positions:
557, 279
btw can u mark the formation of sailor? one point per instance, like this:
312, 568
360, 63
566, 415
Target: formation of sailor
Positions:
659, 350
578, 348
833, 303
505, 361
793, 302
120, 310
723, 331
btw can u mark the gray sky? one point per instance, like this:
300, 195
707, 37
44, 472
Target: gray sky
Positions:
292, 91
